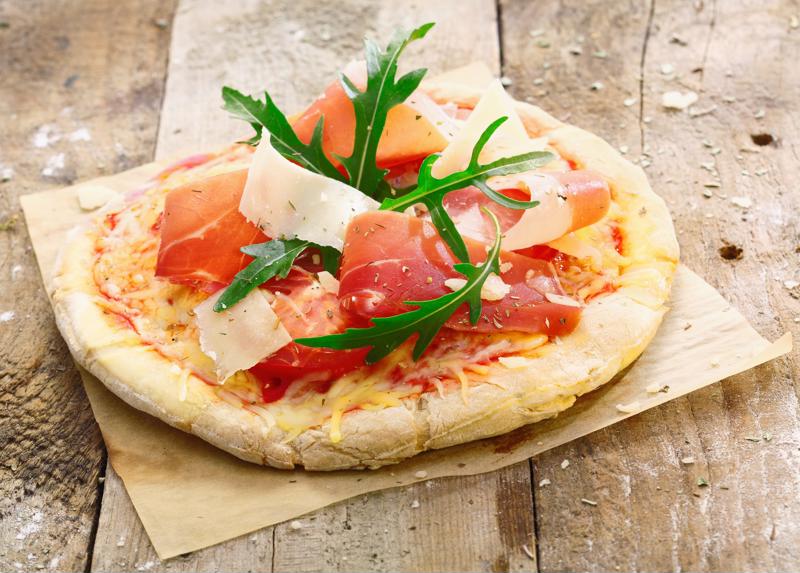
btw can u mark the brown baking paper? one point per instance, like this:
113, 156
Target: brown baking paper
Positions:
190, 495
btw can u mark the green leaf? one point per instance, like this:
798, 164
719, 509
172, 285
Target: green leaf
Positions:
266, 115
372, 105
425, 321
272, 259
430, 191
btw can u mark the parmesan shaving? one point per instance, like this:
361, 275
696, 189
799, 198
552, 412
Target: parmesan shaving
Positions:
286, 200
241, 336
328, 282
495, 103
493, 289
561, 299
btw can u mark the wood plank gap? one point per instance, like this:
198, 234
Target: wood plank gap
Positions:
101, 483
648, 29
532, 467
711, 25
167, 59
498, 14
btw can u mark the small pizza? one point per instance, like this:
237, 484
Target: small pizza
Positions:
403, 266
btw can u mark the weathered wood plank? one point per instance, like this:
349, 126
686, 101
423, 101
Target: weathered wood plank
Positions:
294, 49
72, 73
651, 514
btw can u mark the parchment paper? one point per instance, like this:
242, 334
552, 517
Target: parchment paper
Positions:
190, 495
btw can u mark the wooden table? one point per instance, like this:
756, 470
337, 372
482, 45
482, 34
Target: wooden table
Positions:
141, 78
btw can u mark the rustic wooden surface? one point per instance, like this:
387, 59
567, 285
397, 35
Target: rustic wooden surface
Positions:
142, 78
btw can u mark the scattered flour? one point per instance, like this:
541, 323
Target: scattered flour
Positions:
46, 135
55, 163
81, 134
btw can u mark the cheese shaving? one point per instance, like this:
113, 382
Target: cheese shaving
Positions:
287, 201
241, 336
493, 289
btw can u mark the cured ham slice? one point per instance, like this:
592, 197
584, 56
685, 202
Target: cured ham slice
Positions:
392, 257
414, 129
202, 231
306, 307
568, 201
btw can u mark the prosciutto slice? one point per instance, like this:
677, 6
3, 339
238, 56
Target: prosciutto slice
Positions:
567, 202
393, 257
202, 231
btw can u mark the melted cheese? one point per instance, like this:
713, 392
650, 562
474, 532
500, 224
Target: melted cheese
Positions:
286, 200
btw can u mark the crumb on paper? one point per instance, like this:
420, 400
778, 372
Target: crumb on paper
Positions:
678, 100
629, 101
421, 474
629, 408
544, 482
596, 86
296, 525
655, 388
564, 464
91, 197
714, 363
667, 69
6, 174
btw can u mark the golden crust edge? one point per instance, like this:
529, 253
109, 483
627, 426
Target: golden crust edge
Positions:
148, 382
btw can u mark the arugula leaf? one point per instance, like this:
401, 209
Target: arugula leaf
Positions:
430, 191
272, 259
265, 114
372, 106
390, 332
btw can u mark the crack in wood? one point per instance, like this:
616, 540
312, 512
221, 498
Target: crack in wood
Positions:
642, 60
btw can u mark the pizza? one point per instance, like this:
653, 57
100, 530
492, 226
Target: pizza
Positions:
405, 265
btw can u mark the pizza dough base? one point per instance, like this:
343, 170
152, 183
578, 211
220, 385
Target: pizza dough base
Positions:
613, 331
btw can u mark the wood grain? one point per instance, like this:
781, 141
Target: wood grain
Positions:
209, 50
650, 513
89, 64
71, 72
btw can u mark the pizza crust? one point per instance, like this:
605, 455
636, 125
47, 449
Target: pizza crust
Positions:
613, 331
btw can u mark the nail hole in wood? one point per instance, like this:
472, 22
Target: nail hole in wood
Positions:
762, 139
